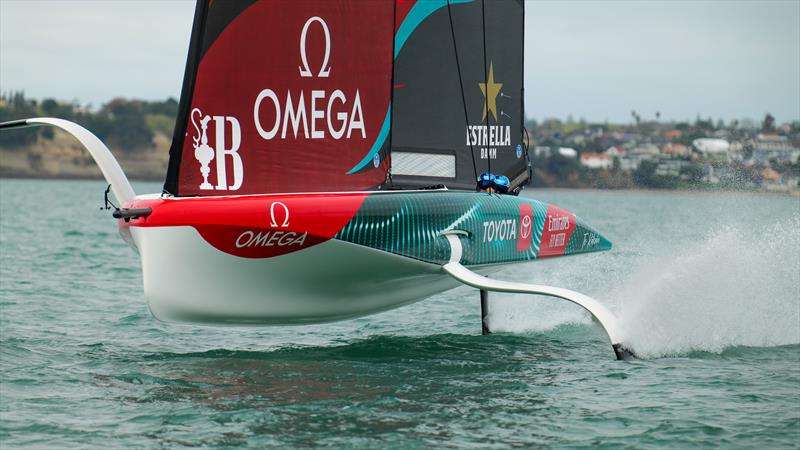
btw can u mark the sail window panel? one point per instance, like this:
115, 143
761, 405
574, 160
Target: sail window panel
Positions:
423, 164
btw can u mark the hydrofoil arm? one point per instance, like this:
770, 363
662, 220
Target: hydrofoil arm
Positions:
604, 317
109, 166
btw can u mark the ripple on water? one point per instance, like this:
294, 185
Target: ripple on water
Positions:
84, 367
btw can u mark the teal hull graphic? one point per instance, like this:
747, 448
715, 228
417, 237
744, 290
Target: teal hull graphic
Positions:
500, 229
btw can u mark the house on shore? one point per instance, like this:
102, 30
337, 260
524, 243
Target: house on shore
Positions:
676, 150
567, 152
596, 161
615, 151
769, 146
712, 148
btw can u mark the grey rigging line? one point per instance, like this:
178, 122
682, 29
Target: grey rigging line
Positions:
461, 84
485, 82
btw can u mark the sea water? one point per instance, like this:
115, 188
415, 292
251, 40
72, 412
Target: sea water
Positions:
707, 287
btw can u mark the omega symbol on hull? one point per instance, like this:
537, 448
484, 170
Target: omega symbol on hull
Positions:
274, 220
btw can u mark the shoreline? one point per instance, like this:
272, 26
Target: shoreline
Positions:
73, 178
794, 193
791, 193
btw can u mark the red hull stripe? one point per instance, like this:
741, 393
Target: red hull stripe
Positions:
257, 226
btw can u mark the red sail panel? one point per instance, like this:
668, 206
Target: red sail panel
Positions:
289, 96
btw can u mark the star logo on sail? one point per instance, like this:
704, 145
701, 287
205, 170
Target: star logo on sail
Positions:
487, 138
490, 91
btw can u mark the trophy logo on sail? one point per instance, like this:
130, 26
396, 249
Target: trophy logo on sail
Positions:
205, 154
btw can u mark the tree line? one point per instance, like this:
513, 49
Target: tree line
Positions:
129, 125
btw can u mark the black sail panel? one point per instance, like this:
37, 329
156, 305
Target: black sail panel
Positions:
504, 22
457, 109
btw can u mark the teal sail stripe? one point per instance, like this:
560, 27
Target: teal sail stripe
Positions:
418, 13
382, 135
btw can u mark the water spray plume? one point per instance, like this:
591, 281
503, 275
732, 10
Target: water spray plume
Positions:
736, 285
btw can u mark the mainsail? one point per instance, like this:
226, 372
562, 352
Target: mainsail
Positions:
332, 95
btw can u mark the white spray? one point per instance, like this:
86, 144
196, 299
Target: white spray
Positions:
738, 286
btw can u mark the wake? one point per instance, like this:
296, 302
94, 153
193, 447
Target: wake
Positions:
733, 287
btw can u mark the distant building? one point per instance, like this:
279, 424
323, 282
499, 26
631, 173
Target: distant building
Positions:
630, 163
615, 151
768, 146
540, 151
768, 174
645, 150
675, 150
722, 134
549, 151
773, 181
712, 148
670, 167
596, 161
568, 152
576, 139
736, 151
616, 135
672, 134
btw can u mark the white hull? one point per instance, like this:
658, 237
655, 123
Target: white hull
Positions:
186, 279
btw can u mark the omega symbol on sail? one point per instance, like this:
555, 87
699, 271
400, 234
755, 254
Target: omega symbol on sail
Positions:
325, 69
315, 113
222, 150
